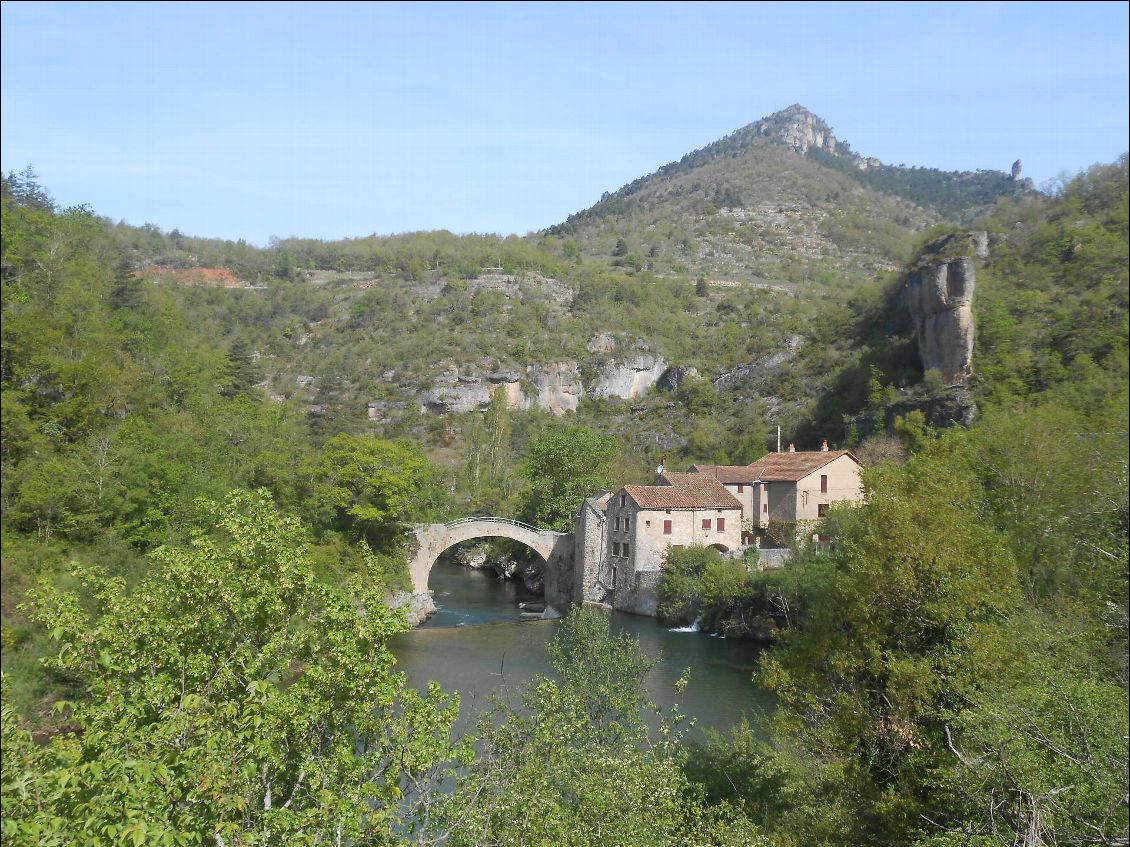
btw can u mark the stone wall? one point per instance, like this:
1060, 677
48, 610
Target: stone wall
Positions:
590, 559
641, 597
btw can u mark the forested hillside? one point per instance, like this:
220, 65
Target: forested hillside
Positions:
206, 479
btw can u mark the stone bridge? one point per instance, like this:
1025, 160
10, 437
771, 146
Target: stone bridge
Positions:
555, 548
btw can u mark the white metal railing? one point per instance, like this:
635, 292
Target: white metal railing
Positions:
507, 521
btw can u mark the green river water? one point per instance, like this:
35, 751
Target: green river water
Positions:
475, 645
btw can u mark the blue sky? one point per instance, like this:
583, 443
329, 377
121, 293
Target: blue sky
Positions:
334, 120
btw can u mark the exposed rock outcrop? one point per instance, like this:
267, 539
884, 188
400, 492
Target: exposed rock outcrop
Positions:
604, 342
939, 297
418, 605
559, 386
631, 379
455, 392
798, 129
755, 373
673, 377
474, 556
955, 406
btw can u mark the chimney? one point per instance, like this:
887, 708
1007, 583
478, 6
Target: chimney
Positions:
792, 448
824, 446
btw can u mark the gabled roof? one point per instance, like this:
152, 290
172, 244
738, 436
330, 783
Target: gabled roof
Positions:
790, 467
683, 491
729, 474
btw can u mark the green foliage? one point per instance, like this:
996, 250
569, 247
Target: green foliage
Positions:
230, 698
241, 374
725, 582
565, 465
918, 574
951, 193
575, 767
488, 467
952, 671
961, 667
912, 429
680, 588
1052, 302
1040, 742
374, 487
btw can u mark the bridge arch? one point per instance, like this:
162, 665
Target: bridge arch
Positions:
555, 548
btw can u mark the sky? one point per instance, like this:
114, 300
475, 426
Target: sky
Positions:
329, 120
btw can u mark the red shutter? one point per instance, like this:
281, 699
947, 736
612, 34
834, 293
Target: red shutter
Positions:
823, 483
721, 524
667, 527
706, 523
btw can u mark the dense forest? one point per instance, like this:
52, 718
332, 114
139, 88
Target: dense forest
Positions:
195, 632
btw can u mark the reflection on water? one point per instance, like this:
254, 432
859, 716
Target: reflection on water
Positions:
475, 646
466, 597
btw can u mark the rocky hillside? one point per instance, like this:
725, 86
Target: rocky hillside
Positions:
780, 199
689, 312
718, 267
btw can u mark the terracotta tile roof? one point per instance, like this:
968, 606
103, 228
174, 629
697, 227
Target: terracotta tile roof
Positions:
790, 467
683, 491
730, 474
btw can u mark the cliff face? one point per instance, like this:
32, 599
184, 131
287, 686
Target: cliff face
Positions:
796, 128
631, 379
939, 298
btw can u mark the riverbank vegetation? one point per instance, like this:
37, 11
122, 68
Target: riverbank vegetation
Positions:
952, 670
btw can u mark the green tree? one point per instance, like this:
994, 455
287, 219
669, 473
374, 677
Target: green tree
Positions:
564, 466
680, 590
231, 698
868, 680
375, 488
575, 767
241, 374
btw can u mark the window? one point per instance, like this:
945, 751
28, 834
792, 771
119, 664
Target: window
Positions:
623, 499
616, 523
647, 523
741, 488
822, 510
667, 527
627, 524
823, 483
616, 548
625, 549
721, 524
706, 523
666, 511
765, 508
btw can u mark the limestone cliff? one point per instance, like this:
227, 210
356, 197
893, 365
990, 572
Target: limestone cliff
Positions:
630, 379
939, 298
795, 128
455, 392
559, 386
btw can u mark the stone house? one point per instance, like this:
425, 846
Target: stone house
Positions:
642, 521
784, 495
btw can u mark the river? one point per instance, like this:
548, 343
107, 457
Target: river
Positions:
475, 645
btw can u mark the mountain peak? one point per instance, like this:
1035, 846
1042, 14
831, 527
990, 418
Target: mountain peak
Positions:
795, 128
